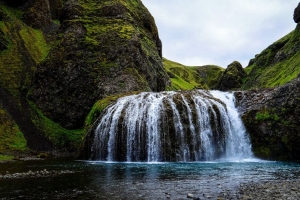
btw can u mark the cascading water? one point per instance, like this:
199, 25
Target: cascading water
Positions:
171, 126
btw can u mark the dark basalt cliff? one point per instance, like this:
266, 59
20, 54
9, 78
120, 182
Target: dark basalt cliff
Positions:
103, 48
58, 58
272, 118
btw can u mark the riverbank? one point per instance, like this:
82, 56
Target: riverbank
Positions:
283, 189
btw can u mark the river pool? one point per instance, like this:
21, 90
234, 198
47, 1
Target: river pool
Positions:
103, 180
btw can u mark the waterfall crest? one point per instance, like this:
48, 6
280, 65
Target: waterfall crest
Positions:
171, 126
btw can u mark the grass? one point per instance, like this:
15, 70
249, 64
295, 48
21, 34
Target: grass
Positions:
5, 157
60, 136
24, 45
189, 78
11, 138
264, 72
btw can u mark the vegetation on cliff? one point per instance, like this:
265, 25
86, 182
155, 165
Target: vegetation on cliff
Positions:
188, 78
63, 62
59, 58
271, 117
277, 64
104, 48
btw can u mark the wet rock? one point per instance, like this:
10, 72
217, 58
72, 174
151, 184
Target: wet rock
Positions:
271, 118
190, 195
36, 174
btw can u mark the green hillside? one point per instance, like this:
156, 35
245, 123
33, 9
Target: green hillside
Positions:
188, 77
276, 65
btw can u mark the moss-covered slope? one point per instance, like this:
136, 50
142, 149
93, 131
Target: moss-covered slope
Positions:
188, 78
59, 59
277, 64
104, 48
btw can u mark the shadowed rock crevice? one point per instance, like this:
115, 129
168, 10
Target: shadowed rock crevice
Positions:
35, 138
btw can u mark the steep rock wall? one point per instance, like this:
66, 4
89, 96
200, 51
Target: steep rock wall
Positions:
272, 118
104, 48
57, 58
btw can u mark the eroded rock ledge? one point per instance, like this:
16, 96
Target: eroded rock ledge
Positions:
272, 117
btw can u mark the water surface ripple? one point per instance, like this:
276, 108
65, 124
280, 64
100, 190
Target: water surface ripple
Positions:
103, 180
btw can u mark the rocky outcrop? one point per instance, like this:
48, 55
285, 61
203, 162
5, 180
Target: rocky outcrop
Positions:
233, 77
297, 14
272, 117
54, 71
104, 49
38, 14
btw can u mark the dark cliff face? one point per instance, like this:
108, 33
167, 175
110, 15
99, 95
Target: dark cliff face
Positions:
272, 117
104, 48
57, 58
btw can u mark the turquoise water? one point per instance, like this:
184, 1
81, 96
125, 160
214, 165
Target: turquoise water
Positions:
102, 180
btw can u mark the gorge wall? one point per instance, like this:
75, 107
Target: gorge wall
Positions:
272, 118
58, 58
63, 62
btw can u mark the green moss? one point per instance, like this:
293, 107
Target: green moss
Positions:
138, 78
5, 157
100, 105
265, 115
60, 136
35, 43
26, 48
11, 138
276, 65
16, 13
188, 78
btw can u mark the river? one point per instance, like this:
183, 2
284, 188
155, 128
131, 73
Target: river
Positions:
117, 180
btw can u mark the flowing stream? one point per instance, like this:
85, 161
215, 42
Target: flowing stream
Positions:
172, 126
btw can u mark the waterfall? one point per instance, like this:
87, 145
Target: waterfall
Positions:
171, 126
